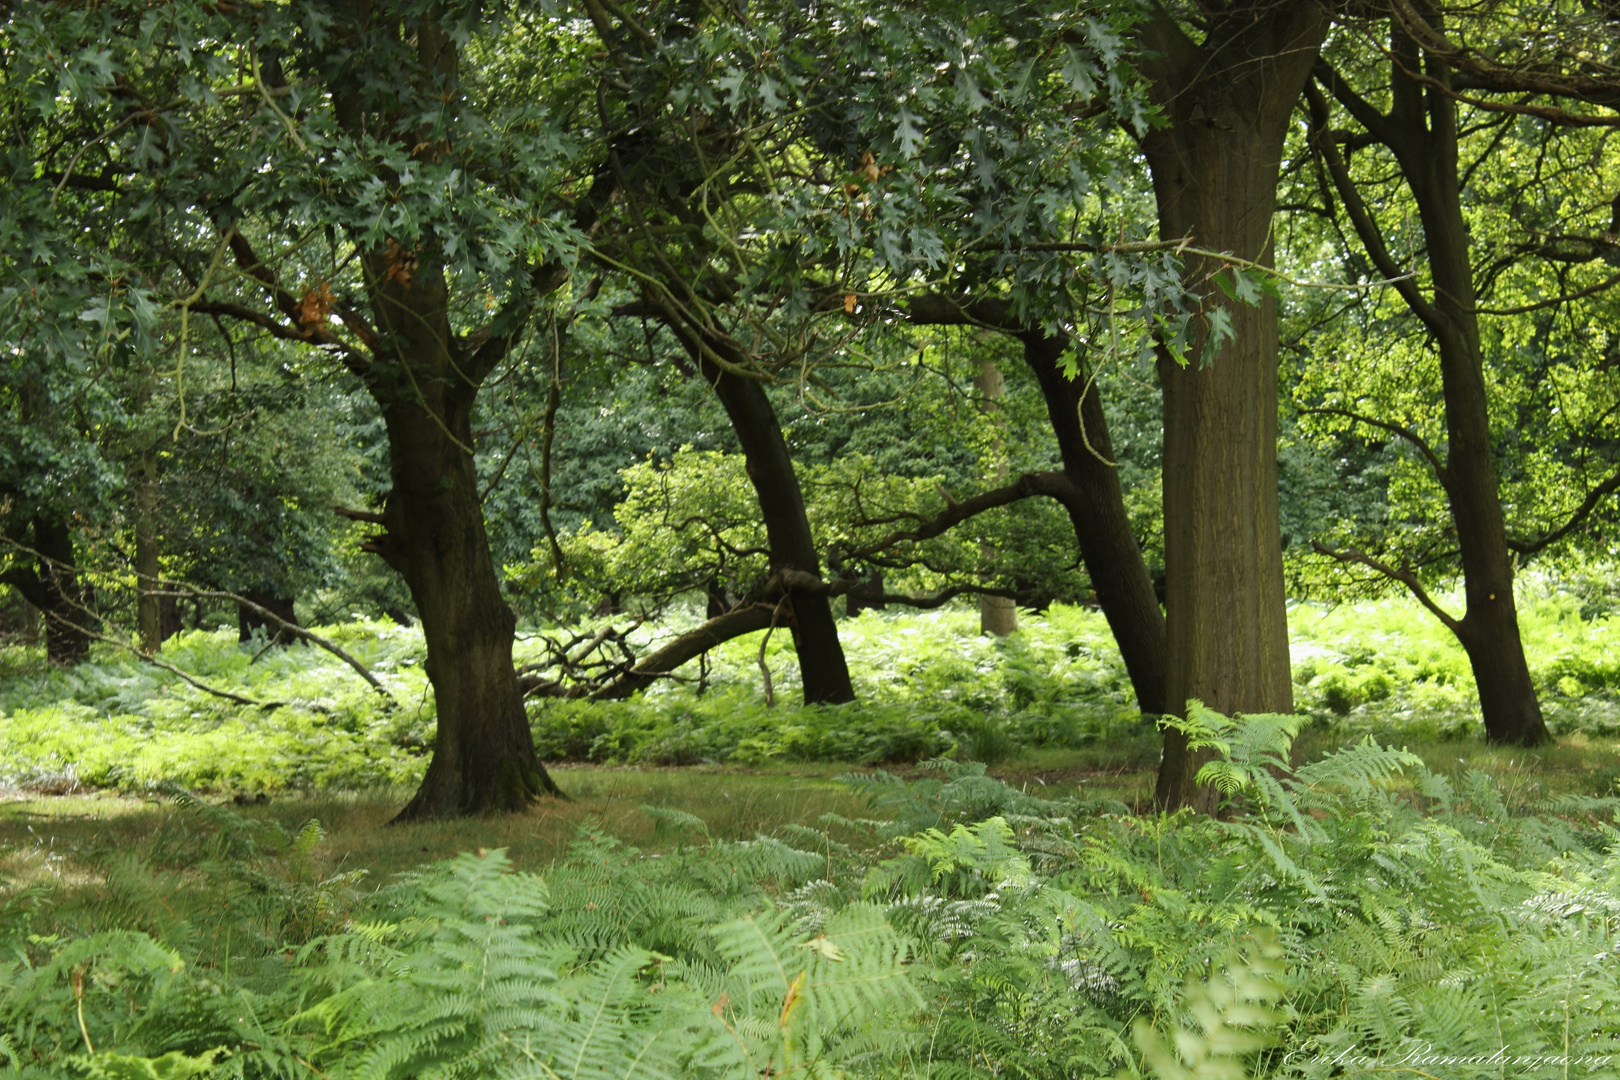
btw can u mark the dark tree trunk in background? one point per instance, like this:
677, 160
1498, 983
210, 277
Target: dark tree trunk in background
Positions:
148, 605
856, 600
1102, 528
1228, 102
483, 756
787, 528
248, 620
1421, 130
54, 588
1112, 557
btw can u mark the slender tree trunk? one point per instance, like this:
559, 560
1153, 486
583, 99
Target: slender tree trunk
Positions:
998, 615
1421, 130
1228, 101
1112, 557
808, 616
483, 756
787, 529
148, 605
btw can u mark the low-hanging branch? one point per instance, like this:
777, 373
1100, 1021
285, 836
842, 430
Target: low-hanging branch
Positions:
579, 676
1402, 574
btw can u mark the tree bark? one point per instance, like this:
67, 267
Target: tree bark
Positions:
483, 757
1102, 528
1421, 131
1228, 101
808, 615
1112, 556
54, 588
148, 605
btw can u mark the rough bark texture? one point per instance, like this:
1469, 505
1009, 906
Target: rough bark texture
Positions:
483, 756
425, 381
1421, 130
1215, 169
1112, 556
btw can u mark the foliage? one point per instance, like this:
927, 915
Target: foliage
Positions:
1358, 912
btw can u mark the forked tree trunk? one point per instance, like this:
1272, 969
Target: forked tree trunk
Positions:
483, 755
1215, 167
1112, 557
1421, 130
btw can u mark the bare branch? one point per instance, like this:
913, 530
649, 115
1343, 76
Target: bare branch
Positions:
1404, 575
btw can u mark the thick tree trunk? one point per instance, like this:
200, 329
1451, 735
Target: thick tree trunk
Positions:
1215, 167
1421, 130
483, 755
1112, 557
148, 605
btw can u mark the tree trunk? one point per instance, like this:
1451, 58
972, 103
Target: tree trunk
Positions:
1421, 130
1112, 557
808, 615
55, 589
483, 756
1215, 167
148, 605
30, 628
998, 615
248, 620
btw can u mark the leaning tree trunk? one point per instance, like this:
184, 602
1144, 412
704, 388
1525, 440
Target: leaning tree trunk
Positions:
1215, 165
808, 615
1108, 548
1421, 130
483, 756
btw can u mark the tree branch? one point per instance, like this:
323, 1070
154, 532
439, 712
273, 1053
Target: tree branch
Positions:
1405, 576
1580, 514
1366, 226
1441, 473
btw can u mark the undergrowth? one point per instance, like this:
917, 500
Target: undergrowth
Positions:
1358, 914
928, 685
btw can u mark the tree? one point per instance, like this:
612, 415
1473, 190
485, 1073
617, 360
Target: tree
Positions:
1226, 81
1430, 82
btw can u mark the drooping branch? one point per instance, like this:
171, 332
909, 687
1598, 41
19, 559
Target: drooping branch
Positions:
1580, 514
1440, 472
1403, 574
